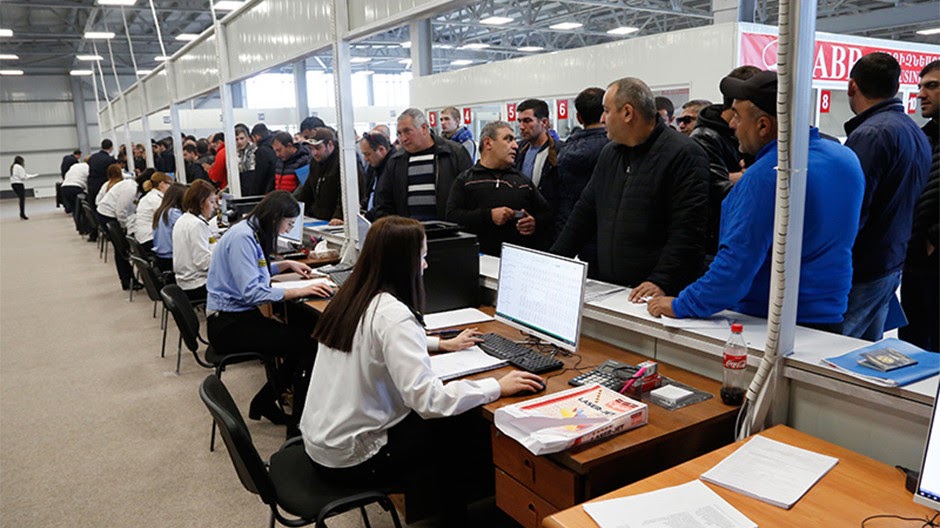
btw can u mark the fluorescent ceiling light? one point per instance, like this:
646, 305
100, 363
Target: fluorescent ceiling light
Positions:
11, 72
8, 56
364, 72
117, 2
460, 62
228, 5
89, 57
81, 73
359, 60
406, 62
187, 37
161, 58
932, 31
531, 48
405, 44
445, 46
144, 72
623, 30
564, 26
99, 35
474, 46
6, 32
495, 20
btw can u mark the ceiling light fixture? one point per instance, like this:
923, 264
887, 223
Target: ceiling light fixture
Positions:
623, 30
9, 56
6, 32
360, 60
931, 31
144, 72
11, 72
228, 5
530, 49
89, 57
565, 26
161, 58
474, 46
117, 2
405, 44
187, 37
99, 35
445, 46
81, 73
495, 20
461, 62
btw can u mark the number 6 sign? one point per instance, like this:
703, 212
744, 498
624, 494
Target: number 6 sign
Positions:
562, 109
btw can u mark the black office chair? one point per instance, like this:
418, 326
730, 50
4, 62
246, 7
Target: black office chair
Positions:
290, 481
91, 217
152, 285
77, 213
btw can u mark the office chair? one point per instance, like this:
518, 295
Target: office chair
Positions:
152, 285
92, 218
77, 212
176, 302
121, 250
290, 481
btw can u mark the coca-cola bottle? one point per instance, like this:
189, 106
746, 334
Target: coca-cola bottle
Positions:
734, 363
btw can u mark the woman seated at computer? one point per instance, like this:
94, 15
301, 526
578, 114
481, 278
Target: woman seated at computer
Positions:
153, 188
373, 392
240, 281
194, 240
164, 220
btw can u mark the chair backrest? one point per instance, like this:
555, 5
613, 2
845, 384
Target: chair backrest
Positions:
134, 247
184, 314
119, 239
90, 215
248, 464
148, 275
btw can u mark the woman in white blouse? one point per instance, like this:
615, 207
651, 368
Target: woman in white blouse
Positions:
18, 177
194, 239
373, 404
143, 220
117, 202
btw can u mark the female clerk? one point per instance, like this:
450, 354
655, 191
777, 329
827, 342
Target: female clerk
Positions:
240, 280
372, 388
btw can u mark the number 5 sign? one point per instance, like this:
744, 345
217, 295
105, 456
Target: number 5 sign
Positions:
825, 101
511, 112
562, 109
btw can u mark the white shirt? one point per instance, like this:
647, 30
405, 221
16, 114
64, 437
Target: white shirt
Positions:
77, 176
357, 396
19, 174
118, 202
143, 220
193, 243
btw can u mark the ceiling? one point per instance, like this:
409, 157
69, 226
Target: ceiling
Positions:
48, 34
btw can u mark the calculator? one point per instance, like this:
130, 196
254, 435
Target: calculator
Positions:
611, 374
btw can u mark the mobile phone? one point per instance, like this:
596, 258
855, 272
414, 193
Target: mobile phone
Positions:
518, 214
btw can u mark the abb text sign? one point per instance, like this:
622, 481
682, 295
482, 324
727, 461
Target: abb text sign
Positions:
832, 61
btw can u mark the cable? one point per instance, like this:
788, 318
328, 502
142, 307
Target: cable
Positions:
928, 523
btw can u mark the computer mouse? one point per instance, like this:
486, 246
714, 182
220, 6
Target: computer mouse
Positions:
535, 391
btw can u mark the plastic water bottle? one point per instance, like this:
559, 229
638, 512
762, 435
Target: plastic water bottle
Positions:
734, 363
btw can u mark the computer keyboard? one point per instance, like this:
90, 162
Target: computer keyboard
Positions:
519, 356
340, 277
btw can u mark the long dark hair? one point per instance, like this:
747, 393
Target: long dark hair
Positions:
276, 206
390, 262
172, 199
17, 161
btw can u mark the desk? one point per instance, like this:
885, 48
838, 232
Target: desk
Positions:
854, 489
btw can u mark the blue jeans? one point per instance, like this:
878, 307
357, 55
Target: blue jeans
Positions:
868, 307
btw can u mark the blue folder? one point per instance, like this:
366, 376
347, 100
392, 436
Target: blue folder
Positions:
928, 364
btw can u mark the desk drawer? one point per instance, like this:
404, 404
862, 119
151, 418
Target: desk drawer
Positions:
555, 484
521, 503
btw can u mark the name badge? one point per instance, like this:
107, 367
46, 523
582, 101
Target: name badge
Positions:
262, 263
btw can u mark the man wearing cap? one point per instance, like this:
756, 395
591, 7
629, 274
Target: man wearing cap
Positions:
895, 157
739, 277
321, 192
645, 201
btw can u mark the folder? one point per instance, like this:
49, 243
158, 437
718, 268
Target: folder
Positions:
928, 364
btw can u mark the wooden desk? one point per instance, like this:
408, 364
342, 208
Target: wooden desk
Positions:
856, 488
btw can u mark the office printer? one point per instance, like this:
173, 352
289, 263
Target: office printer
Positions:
452, 279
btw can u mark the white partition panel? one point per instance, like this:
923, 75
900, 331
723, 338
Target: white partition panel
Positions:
366, 15
274, 32
158, 95
197, 71
119, 111
132, 98
699, 57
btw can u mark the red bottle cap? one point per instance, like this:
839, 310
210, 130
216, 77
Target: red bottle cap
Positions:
737, 328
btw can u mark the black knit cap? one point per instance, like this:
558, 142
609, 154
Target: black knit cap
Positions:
761, 89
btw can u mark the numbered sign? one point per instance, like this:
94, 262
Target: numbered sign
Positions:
166, 120
511, 112
825, 101
912, 103
260, 116
467, 116
432, 119
562, 109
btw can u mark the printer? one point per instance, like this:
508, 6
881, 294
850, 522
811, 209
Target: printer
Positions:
452, 279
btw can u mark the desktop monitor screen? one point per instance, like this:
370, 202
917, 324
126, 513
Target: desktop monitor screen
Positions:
928, 486
363, 225
541, 294
296, 233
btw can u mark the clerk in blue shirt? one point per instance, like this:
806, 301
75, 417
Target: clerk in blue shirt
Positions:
240, 280
739, 277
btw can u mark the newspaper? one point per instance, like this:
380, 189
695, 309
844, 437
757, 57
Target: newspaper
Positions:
569, 418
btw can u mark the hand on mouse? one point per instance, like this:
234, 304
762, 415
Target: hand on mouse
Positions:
517, 381
465, 339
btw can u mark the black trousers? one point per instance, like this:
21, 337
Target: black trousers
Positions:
20, 191
69, 194
124, 269
196, 294
920, 298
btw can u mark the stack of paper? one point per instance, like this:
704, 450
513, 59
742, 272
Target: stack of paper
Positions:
463, 363
690, 505
771, 471
462, 316
289, 285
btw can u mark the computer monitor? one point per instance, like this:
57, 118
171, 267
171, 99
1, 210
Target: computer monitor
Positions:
541, 294
363, 225
296, 234
928, 485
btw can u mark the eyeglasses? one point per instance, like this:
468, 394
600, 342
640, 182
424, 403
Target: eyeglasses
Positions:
685, 120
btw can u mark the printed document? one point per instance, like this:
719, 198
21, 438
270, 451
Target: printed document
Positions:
463, 316
463, 363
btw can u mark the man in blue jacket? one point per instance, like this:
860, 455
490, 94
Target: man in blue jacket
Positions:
895, 156
739, 277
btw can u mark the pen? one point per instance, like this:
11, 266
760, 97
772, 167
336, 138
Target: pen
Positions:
629, 383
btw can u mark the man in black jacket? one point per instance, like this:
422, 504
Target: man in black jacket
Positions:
419, 175
321, 193
70, 160
376, 150
98, 164
538, 154
265, 160
646, 200
494, 200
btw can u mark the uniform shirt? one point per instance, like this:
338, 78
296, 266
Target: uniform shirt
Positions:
361, 394
19, 175
163, 234
239, 275
77, 176
143, 220
118, 202
193, 242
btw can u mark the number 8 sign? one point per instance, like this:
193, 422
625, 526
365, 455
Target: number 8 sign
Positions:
825, 101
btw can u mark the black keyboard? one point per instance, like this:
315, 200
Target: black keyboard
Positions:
340, 277
519, 356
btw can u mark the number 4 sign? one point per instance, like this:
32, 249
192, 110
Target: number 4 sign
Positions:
467, 116
562, 109
825, 101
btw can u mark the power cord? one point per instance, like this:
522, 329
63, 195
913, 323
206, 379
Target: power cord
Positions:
928, 523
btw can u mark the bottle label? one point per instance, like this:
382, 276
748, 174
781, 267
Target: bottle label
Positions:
734, 362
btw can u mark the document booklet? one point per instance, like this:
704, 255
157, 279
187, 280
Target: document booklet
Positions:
889, 363
288, 285
771, 471
570, 418
462, 316
463, 363
690, 505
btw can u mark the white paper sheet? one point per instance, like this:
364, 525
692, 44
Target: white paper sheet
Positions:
463, 363
289, 285
771, 471
709, 322
463, 316
690, 505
